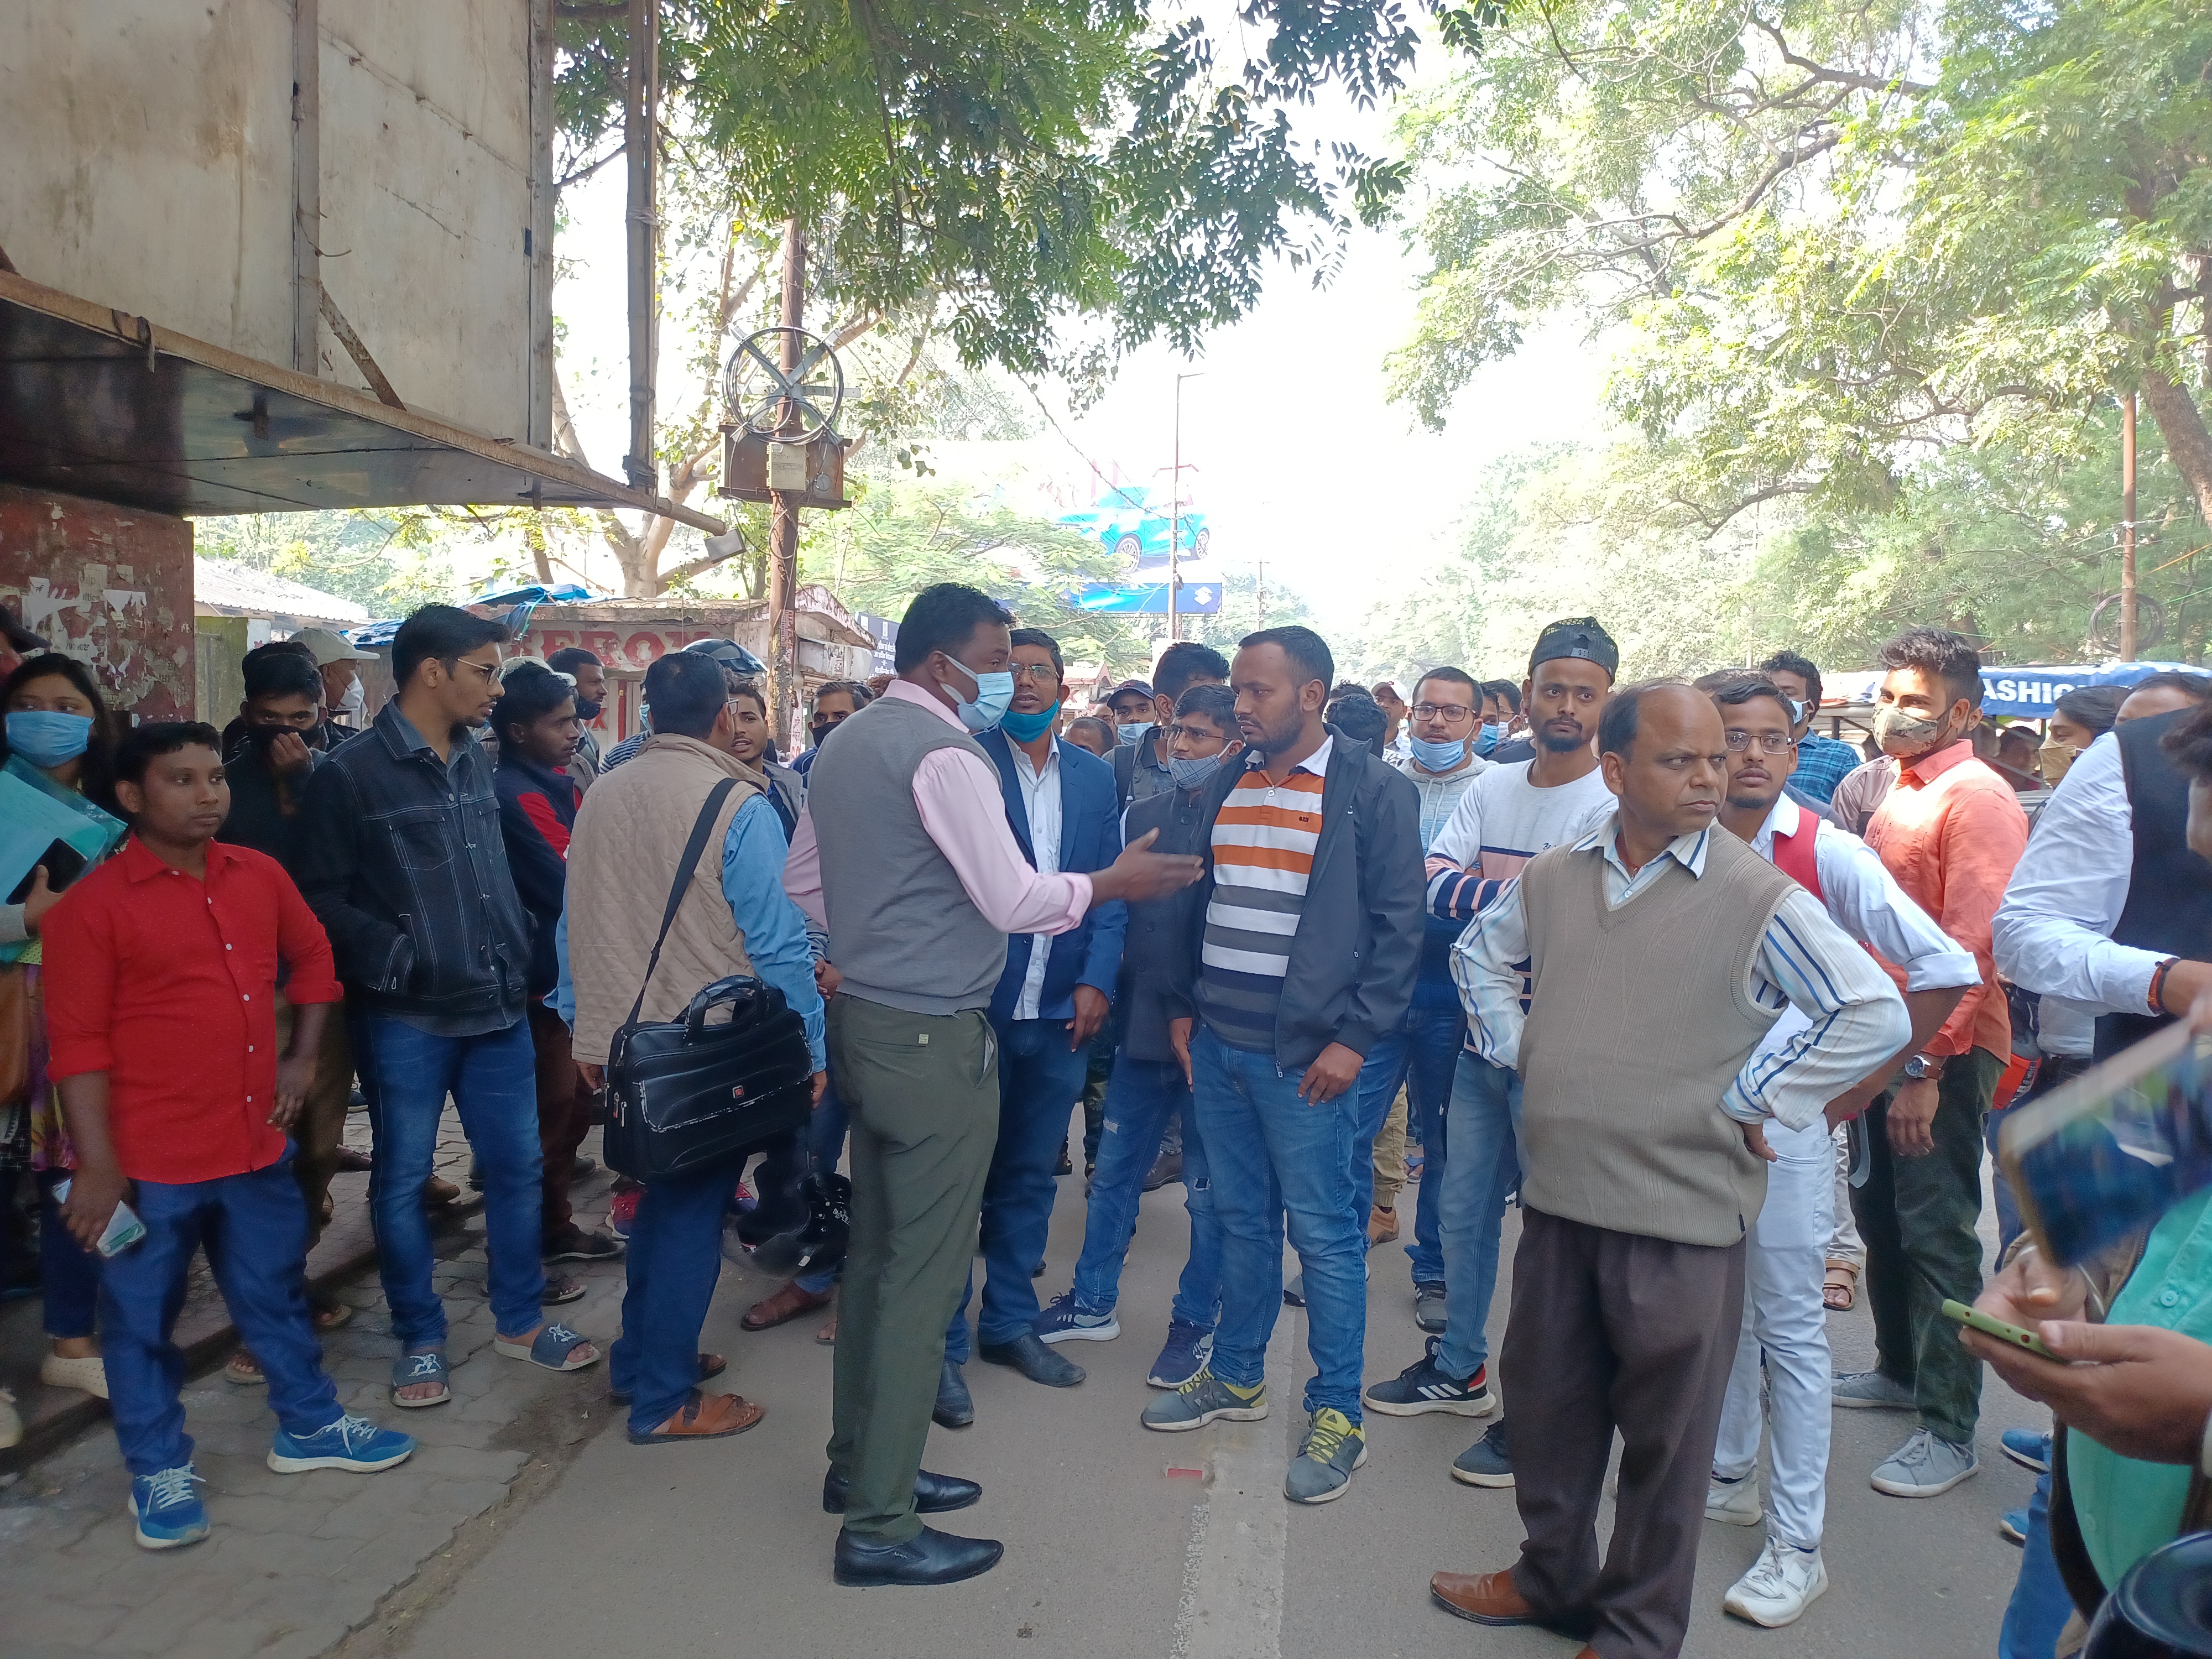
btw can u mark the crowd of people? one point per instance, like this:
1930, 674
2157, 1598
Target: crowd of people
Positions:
1730, 1009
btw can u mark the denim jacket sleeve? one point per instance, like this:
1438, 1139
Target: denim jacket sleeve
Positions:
370, 950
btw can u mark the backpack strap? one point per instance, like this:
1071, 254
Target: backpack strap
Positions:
685, 868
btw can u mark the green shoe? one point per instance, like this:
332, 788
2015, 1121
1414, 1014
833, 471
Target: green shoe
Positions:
1333, 1450
1206, 1399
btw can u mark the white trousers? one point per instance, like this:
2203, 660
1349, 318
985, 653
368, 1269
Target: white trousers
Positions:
1782, 1317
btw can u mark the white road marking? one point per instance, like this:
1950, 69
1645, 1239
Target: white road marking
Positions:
1233, 1575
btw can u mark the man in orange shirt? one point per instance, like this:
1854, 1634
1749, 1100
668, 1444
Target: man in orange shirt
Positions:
1950, 832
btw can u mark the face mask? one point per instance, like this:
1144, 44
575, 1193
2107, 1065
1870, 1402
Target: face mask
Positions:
993, 694
46, 738
356, 701
1438, 757
1194, 773
587, 711
1903, 734
1486, 739
1796, 711
1027, 728
1131, 734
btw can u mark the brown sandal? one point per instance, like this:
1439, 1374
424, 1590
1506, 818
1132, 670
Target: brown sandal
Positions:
785, 1305
705, 1417
1840, 1290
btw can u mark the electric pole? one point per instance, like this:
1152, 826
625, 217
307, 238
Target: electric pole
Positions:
1174, 517
783, 523
2128, 528
640, 115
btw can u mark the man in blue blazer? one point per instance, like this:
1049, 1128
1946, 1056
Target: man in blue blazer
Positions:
1051, 1001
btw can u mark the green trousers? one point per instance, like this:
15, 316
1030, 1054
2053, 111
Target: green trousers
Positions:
1917, 1216
923, 1091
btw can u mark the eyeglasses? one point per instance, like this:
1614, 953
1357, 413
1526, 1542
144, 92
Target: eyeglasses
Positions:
1770, 743
1034, 671
1450, 711
1182, 733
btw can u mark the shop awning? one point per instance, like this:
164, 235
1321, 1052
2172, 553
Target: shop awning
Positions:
98, 403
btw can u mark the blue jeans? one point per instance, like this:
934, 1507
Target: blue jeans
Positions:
407, 1073
1143, 1096
69, 1273
1485, 1169
1422, 1054
1274, 1157
674, 1259
254, 1228
826, 1139
1039, 1078
2040, 1606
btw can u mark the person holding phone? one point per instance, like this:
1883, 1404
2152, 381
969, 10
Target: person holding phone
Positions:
163, 964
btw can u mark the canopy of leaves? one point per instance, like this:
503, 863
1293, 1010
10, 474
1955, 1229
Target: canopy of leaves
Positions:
1032, 161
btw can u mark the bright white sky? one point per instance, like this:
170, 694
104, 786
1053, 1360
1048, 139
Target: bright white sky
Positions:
1301, 460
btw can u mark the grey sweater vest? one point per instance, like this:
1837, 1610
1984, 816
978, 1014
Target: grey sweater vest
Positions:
903, 930
1638, 1020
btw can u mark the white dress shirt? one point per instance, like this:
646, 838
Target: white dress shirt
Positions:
1041, 800
1855, 1019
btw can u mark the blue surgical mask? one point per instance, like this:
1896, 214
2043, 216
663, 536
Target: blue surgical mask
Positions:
1027, 728
47, 739
1487, 739
1796, 710
1194, 773
1438, 757
1131, 734
994, 692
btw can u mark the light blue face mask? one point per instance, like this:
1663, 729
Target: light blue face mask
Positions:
1194, 773
46, 737
994, 693
1438, 757
1487, 739
1131, 734
1027, 728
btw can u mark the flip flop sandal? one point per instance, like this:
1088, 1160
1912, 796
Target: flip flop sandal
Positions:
561, 1288
1840, 1289
244, 1372
330, 1315
423, 1365
553, 1349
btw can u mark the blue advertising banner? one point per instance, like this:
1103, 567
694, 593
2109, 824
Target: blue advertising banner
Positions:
1200, 599
2029, 690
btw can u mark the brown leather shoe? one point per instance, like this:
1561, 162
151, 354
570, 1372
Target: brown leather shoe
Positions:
1381, 1227
347, 1158
705, 1417
437, 1191
786, 1303
1487, 1598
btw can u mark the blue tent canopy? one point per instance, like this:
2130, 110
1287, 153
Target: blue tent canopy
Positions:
2029, 690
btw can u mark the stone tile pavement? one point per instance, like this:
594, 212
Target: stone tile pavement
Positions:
296, 1562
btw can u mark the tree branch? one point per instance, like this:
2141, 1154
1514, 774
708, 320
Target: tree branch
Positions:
1836, 77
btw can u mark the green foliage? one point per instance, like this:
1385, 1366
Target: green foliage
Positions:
1032, 163
372, 559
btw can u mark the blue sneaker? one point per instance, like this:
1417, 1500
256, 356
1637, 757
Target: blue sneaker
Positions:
2012, 1527
1064, 1321
1188, 1347
352, 1442
169, 1512
2029, 1448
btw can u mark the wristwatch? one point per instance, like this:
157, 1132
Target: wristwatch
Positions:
1922, 1066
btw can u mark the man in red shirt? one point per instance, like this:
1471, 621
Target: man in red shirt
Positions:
1950, 832
162, 967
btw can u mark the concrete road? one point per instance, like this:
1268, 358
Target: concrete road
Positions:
722, 1548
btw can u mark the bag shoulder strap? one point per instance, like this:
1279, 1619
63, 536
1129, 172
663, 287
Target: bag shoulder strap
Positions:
685, 868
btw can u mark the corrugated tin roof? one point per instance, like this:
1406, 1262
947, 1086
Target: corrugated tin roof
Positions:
239, 589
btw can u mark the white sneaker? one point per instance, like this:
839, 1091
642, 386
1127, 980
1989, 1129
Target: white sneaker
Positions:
1925, 1465
1781, 1584
1735, 1502
11, 1422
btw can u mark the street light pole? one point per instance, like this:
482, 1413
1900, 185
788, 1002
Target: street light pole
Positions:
1175, 515
2127, 601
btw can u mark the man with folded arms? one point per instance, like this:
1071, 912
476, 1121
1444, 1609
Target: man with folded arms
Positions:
1660, 950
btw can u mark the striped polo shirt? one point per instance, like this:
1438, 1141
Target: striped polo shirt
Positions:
1263, 853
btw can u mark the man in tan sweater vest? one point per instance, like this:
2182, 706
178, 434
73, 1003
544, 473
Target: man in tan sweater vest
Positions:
1660, 950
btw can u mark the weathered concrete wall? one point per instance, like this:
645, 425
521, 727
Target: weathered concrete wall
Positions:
149, 147
109, 586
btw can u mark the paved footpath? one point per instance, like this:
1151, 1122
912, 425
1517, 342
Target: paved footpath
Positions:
523, 1526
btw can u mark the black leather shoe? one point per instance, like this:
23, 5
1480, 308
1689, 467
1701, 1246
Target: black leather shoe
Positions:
955, 1409
1028, 1354
930, 1557
934, 1494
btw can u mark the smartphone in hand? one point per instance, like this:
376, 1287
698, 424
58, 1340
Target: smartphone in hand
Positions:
1989, 1325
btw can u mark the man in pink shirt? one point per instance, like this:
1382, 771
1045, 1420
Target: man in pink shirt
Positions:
904, 855
1949, 832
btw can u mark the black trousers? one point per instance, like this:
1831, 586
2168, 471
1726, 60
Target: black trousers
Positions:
1614, 1331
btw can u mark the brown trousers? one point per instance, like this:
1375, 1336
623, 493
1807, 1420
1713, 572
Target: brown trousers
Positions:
1611, 1331
321, 1122
564, 1111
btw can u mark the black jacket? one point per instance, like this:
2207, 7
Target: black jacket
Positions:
1158, 936
1357, 947
403, 862
537, 812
